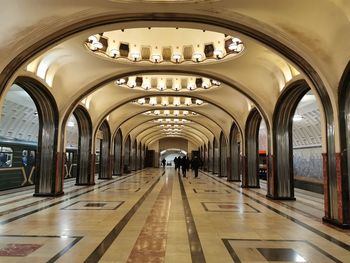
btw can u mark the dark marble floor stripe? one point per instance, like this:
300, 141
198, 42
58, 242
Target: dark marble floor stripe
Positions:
101, 249
64, 250
297, 221
197, 254
61, 201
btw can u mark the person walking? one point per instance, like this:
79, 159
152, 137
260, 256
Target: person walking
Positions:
177, 163
195, 164
163, 163
184, 165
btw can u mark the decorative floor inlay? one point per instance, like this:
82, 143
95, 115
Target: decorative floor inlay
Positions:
35, 248
94, 205
229, 207
18, 250
208, 191
255, 250
151, 244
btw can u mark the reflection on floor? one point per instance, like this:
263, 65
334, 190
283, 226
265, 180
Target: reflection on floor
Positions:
154, 215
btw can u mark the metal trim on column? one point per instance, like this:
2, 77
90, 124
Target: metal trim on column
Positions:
105, 171
49, 179
283, 138
252, 149
84, 174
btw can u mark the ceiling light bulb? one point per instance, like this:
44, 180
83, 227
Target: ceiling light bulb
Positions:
141, 101
135, 56
197, 56
199, 102
97, 45
114, 52
215, 82
166, 112
156, 112
161, 86
218, 53
176, 113
156, 58
176, 57
185, 112
176, 102
177, 86
153, 101
191, 86
188, 101
120, 81
92, 39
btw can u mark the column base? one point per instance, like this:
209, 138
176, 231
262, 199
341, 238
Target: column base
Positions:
280, 198
335, 223
48, 194
84, 184
234, 180
247, 186
109, 178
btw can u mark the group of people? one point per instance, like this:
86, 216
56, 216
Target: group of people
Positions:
184, 163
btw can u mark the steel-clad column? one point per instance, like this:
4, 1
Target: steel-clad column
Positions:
84, 175
251, 176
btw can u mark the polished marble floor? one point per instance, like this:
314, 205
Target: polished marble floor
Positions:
155, 215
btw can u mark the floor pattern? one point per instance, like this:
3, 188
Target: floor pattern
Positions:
154, 215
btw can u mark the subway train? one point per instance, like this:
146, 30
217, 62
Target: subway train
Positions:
18, 162
262, 165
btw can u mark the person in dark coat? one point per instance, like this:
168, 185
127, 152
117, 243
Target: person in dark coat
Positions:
177, 164
195, 164
184, 165
163, 163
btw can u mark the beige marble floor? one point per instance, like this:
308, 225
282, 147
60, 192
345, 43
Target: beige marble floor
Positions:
207, 220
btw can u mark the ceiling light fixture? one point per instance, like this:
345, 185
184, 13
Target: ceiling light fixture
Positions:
135, 56
218, 53
156, 58
114, 52
197, 57
176, 57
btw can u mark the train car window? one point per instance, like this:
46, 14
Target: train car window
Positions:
24, 157
6, 155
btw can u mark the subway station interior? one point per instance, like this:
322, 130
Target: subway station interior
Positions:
95, 94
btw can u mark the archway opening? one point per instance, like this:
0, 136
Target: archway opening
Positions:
170, 154
307, 145
19, 129
71, 151
262, 142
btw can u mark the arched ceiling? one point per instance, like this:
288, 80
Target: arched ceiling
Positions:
254, 77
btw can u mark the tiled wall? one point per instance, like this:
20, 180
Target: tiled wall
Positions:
308, 162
